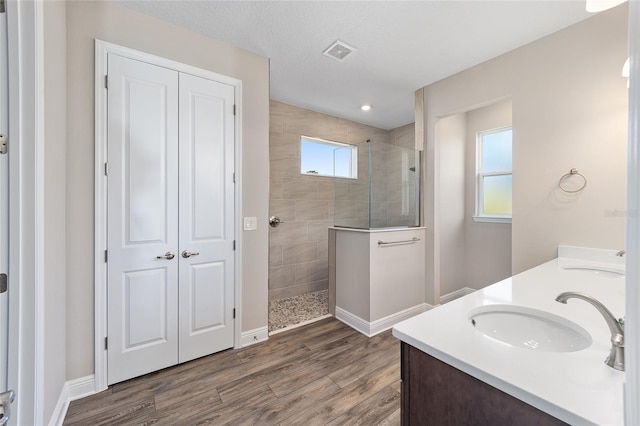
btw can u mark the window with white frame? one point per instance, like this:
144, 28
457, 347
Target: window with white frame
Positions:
328, 158
494, 175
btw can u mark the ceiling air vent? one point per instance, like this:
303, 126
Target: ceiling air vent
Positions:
339, 50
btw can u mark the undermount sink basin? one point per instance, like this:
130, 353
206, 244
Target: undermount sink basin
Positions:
529, 328
603, 271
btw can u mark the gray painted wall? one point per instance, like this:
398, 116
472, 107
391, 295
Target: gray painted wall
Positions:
55, 134
569, 110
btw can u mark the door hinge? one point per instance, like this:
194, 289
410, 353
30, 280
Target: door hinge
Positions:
106, 81
234, 177
3, 7
234, 109
106, 343
234, 313
106, 169
106, 256
234, 244
3, 144
3, 283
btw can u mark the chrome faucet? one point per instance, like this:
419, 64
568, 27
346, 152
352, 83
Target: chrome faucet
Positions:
616, 356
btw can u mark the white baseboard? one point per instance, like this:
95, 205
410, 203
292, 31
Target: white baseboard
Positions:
370, 329
60, 411
71, 390
455, 295
81, 387
251, 337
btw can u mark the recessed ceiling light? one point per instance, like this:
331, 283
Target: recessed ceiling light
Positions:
365, 107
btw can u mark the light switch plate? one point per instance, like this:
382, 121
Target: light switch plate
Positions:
250, 223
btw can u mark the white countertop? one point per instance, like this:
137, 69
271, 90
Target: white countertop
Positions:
576, 387
376, 230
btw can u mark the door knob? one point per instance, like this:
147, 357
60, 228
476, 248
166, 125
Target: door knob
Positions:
274, 221
186, 254
168, 255
6, 398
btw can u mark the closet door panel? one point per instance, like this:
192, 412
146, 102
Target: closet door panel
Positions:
206, 216
142, 218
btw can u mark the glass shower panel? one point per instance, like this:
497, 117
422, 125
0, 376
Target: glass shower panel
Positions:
386, 193
394, 186
379, 154
351, 207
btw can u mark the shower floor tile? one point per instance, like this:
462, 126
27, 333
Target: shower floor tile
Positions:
297, 310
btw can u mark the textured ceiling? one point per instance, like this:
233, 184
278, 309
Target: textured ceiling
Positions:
401, 46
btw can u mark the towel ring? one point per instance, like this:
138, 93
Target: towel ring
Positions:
572, 172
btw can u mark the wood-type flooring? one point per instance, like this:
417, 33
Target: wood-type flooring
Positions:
324, 373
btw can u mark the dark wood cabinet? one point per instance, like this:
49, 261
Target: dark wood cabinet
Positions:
435, 393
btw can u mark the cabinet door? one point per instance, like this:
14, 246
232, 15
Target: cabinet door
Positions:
435, 393
142, 218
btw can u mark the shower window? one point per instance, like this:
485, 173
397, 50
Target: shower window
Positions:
321, 157
494, 175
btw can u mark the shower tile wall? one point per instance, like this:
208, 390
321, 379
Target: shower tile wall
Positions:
404, 137
298, 248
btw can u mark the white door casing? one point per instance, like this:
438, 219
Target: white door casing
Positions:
102, 51
206, 217
7, 395
170, 217
4, 200
142, 218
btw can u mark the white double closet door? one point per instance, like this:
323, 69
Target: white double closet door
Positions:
170, 259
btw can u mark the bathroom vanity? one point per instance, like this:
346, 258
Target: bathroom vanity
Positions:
435, 393
456, 372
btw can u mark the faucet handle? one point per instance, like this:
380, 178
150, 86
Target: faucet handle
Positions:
621, 322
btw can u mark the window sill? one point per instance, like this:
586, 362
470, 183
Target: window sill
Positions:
491, 219
329, 176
